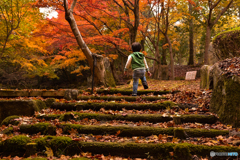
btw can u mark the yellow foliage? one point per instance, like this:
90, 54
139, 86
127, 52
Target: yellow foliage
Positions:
25, 64
79, 70
68, 62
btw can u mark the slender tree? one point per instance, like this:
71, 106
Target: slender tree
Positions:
191, 37
100, 70
211, 11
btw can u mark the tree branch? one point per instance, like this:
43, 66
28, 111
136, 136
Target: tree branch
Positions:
73, 5
215, 5
222, 12
127, 5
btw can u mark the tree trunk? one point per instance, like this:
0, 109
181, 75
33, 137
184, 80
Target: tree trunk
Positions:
102, 75
115, 76
191, 51
207, 42
171, 57
157, 64
164, 54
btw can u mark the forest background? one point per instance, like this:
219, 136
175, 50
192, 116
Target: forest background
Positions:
39, 52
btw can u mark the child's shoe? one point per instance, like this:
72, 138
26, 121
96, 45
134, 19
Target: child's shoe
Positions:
145, 85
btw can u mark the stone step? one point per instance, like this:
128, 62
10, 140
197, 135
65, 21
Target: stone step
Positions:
125, 131
129, 92
119, 98
152, 118
60, 145
32, 93
20, 107
111, 106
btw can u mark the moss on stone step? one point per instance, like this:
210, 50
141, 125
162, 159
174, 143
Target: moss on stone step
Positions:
129, 92
127, 131
180, 133
67, 146
19, 107
10, 120
49, 102
153, 118
112, 106
119, 98
43, 128
14, 146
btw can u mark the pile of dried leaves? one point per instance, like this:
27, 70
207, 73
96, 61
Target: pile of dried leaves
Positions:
230, 66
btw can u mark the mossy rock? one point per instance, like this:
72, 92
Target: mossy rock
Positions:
49, 102
10, 120
59, 145
226, 99
112, 106
227, 43
19, 107
40, 105
182, 152
15, 146
43, 128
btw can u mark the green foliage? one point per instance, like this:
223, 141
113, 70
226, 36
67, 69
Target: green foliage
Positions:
20, 52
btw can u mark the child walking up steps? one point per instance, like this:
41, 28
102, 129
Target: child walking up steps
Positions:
139, 66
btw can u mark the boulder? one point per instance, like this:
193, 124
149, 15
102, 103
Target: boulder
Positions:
224, 79
225, 100
71, 94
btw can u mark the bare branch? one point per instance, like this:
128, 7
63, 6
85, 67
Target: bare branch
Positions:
222, 12
127, 5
